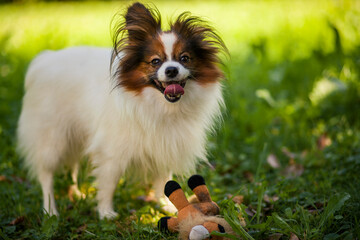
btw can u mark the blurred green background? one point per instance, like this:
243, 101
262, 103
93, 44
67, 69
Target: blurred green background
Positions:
289, 145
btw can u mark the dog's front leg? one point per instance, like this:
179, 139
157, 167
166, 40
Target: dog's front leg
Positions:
158, 186
107, 175
46, 181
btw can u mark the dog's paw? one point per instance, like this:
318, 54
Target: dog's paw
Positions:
167, 206
170, 209
108, 214
51, 212
74, 191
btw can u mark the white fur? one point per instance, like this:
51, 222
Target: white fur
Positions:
72, 109
168, 40
183, 72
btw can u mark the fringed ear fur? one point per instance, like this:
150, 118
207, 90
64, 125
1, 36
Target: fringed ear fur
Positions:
135, 27
201, 34
142, 22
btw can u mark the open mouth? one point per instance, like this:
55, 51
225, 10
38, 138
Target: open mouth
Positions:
172, 90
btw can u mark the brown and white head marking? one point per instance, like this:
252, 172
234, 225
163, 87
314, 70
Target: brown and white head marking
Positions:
165, 60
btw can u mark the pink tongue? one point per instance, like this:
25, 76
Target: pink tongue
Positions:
174, 89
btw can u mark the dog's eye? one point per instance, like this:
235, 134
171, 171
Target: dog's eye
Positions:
155, 62
185, 59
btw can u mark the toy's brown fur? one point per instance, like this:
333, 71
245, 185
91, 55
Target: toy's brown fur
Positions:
185, 226
204, 212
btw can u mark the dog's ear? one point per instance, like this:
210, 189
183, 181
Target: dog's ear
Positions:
142, 22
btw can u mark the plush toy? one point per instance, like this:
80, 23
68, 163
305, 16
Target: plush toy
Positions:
195, 221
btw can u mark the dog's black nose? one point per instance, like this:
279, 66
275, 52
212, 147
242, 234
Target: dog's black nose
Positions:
171, 72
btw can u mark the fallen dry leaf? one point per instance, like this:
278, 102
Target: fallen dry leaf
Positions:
3, 178
293, 237
323, 141
239, 199
17, 220
319, 205
315, 209
249, 211
249, 176
267, 211
81, 228
269, 199
288, 153
294, 169
275, 236
273, 161
242, 221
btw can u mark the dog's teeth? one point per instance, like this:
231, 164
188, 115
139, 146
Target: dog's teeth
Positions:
178, 95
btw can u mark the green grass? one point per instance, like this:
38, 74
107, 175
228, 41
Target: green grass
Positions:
292, 93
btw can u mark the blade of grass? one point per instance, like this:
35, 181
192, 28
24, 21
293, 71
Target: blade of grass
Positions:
261, 161
3, 236
214, 233
283, 225
236, 226
259, 203
335, 203
305, 219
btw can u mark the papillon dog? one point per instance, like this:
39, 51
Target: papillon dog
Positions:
142, 108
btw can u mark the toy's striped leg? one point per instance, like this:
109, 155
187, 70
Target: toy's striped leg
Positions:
197, 185
168, 224
207, 206
176, 195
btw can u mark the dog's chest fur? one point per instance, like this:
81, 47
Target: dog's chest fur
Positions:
118, 127
147, 132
